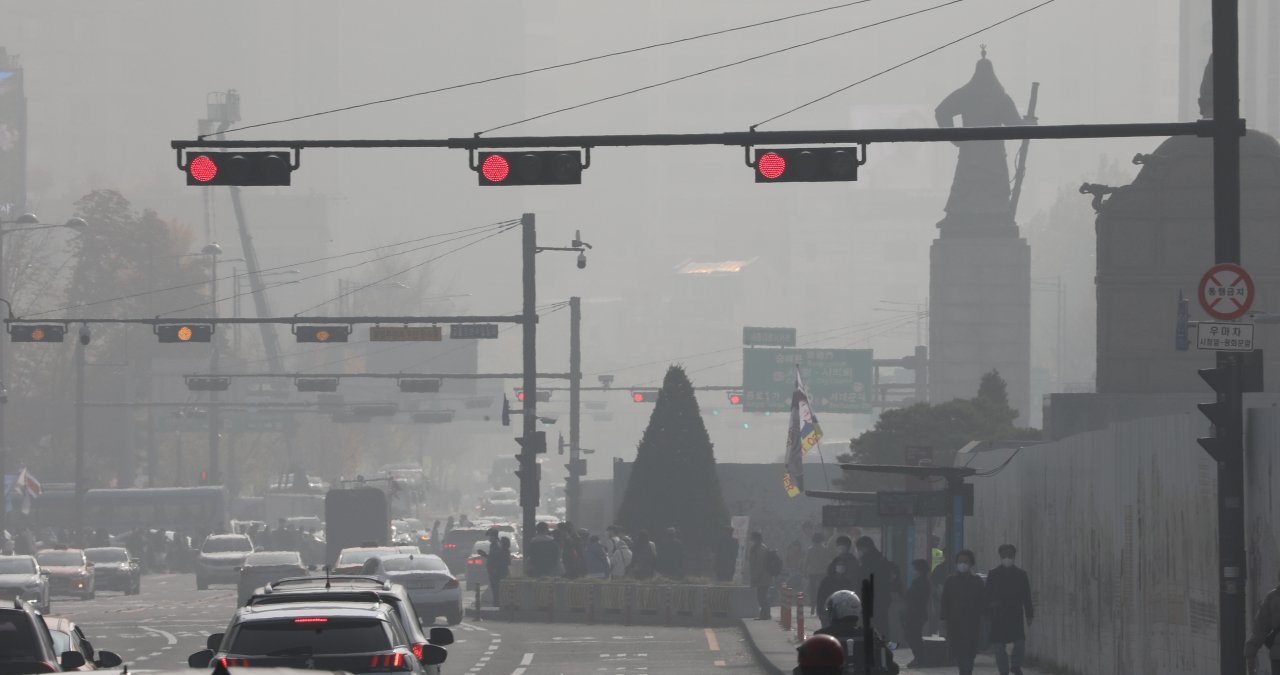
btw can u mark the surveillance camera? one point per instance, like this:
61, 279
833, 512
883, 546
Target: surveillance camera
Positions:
582, 260
84, 335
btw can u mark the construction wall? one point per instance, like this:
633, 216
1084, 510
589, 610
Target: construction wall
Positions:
1118, 532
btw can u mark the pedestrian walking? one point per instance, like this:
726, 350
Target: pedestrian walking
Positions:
1266, 625
887, 576
761, 579
620, 560
916, 612
543, 555
962, 605
596, 559
644, 557
816, 560
725, 550
670, 562
1008, 605
497, 563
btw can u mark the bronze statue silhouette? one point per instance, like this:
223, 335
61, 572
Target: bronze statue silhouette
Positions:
979, 201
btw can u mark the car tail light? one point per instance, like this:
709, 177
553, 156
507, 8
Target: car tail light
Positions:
417, 649
453, 583
45, 667
395, 660
451, 546
234, 663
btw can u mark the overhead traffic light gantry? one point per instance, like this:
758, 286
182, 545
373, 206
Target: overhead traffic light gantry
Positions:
541, 167
808, 165
37, 333
239, 168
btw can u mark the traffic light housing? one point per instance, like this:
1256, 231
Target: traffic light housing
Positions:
506, 411
37, 333
1227, 413
644, 395
544, 396
273, 167
735, 398
535, 445
185, 332
208, 383
317, 384
322, 333
541, 167
419, 385
808, 165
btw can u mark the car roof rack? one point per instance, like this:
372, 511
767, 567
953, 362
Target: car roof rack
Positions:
384, 585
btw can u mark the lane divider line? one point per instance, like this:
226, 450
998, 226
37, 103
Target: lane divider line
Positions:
712, 644
528, 658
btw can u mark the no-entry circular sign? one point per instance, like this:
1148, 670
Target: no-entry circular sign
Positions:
1226, 291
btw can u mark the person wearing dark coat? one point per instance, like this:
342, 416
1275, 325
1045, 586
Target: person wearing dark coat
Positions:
962, 604
1008, 605
670, 563
842, 575
888, 579
916, 613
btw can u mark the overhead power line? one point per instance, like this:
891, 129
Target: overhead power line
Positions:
722, 67
910, 60
545, 68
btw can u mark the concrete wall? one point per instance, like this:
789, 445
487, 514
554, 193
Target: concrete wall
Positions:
1117, 529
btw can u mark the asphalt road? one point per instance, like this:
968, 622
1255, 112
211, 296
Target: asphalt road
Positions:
170, 620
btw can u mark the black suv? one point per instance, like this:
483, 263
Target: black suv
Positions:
354, 588
350, 636
26, 645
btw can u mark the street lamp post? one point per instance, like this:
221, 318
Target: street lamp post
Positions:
26, 219
215, 420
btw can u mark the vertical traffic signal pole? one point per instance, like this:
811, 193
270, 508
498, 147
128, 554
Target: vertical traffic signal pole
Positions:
1232, 573
528, 453
573, 488
79, 538
215, 419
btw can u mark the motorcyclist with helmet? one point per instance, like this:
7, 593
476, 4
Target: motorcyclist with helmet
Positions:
845, 610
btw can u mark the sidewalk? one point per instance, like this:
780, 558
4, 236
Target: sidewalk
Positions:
776, 651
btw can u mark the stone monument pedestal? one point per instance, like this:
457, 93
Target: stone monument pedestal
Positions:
980, 317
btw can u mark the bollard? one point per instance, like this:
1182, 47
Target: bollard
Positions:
591, 605
627, 593
784, 608
706, 607
667, 594
799, 617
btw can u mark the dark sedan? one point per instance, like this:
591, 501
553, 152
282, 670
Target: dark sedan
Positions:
114, 570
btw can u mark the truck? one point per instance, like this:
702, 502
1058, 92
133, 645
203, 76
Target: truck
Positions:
355, 517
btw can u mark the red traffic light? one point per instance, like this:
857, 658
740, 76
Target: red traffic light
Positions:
203, 169
637, 397
771, 165
239, 168
520, 396
495, 168
646, 396
735, 399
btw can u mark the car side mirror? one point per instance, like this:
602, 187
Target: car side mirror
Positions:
200, 659
213, 642
71, 660
108, 660
311, 568
433, 655
45, 573
89, 564
441, 636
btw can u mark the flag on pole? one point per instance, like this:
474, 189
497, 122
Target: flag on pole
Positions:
803, 434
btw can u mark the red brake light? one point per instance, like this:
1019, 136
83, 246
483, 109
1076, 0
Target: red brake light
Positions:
236, 663
203, 169
310, 620
417, 649
451, 546
771, 166
453, 583
495, 168
398, 660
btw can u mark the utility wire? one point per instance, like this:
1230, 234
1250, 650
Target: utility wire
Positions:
545, 68
910, 60
722, 67
268, 269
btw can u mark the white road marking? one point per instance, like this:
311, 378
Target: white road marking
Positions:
167, 635
719, 663
518, 671
484, 658
528, 658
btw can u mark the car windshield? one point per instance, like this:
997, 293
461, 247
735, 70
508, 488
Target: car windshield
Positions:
415, 564
16, 641
60, 559
310, 637
23, 565
226, 544
358, 556
282, 558
107, 555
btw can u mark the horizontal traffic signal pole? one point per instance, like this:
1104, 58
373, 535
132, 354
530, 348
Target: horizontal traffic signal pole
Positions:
1203, 128
402, 376
288, 320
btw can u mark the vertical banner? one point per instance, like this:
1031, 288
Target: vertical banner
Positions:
803, 433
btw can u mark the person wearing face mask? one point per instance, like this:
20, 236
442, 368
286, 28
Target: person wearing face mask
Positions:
842, 575
962, 604
1008, 602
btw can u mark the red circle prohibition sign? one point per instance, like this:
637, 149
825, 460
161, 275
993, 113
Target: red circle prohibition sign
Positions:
1226, 292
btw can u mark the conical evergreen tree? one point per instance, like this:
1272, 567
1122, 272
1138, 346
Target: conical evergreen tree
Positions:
993, 388
673, 481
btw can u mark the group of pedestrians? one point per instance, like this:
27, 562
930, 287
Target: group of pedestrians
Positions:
564, 552
1004, 599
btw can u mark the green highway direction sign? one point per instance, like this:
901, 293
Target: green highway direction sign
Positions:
837, 380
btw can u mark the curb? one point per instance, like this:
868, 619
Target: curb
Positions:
507, 616
761, 660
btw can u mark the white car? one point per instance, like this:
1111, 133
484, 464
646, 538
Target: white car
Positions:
432, 589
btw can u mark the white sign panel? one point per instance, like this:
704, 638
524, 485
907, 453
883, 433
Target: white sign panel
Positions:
1225, 337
